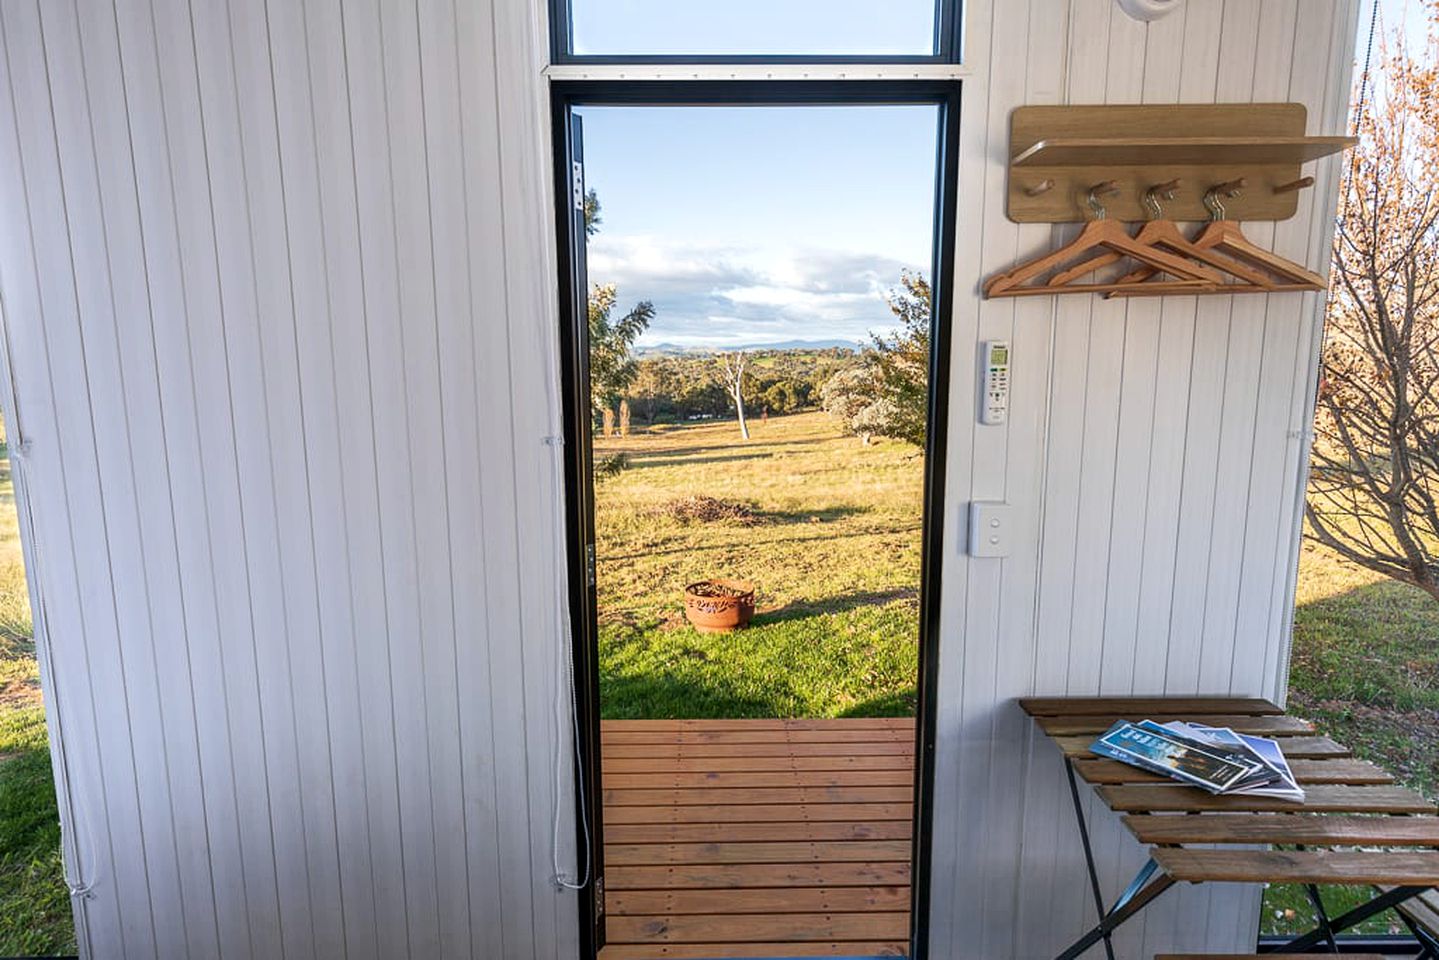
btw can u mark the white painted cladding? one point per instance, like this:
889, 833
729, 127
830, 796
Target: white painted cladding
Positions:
277, 282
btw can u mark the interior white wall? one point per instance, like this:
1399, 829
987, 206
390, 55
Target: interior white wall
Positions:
278, 307
279, 313
1153, 455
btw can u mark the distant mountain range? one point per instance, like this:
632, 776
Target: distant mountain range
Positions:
679, 349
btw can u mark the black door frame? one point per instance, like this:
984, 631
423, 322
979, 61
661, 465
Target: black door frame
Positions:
579, 515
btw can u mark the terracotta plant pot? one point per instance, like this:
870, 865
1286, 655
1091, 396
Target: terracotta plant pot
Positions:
718, 606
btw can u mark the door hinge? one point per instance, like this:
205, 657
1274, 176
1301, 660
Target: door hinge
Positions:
600, 896
577, 183
590, 562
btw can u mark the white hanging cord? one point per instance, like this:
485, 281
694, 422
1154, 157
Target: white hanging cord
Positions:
566, 698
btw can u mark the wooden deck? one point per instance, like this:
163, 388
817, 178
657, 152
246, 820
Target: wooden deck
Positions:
757, 838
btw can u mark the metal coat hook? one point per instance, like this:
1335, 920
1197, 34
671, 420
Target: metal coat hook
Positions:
1102, 189
1230, 188
1154, 194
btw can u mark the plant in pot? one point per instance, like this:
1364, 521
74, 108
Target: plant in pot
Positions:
718, 606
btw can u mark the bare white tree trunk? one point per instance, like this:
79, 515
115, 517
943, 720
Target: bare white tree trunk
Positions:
734, 379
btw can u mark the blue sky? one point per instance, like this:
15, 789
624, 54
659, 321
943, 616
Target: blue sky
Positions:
1411, 14
753, 26
750, 225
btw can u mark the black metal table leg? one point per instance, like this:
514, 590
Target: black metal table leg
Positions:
1321, 917
1429, 946
1111, 920
1348, 919
1088, 855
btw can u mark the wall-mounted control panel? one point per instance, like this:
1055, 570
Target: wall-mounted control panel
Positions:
994, 405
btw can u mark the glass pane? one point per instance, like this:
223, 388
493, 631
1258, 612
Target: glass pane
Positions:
754, 27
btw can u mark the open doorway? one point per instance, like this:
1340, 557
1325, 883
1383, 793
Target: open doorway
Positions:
754, 378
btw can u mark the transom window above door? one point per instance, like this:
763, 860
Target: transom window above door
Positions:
755, 31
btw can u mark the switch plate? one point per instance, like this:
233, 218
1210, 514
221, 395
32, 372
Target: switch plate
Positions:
990, 529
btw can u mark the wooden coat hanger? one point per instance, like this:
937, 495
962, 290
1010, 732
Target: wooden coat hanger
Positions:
1109, 235
1164, 234
1226, 236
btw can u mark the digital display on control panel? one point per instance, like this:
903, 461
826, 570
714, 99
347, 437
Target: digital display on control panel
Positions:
999, 355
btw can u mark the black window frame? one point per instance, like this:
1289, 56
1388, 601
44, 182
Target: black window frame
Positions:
949, 43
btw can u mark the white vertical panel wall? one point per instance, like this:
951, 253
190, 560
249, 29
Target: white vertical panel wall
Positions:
280, 335
1153, 454
278, 310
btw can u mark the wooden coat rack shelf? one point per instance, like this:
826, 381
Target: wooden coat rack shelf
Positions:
1058, 153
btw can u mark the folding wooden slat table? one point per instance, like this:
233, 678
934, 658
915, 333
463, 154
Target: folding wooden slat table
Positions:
1354, 826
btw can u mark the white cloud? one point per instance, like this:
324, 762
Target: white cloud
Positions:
726, 295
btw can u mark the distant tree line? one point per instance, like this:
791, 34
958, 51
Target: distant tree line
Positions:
669, 388
881, 390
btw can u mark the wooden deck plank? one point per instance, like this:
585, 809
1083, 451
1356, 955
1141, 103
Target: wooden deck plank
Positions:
1266, 726
1304, 748
762, 723
736, 796
759, 813
676, 764
1287, 829
781, 928
738, 951
703, 735
755, 832
760, 778
799, 851
761, 900
773, 748
1128, 706
1324, 866
731, 876
1356, 772
1319, 798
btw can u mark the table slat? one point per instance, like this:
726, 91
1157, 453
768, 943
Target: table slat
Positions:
1286, 829
1124, 706
1269, 726
1319, 798
1308, 866
1100, 771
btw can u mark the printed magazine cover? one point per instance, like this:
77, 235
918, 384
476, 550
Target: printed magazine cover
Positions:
1156, 748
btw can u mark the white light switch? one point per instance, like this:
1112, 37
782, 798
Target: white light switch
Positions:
989, 529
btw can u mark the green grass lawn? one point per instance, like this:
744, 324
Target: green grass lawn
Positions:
1365, 667
34, 906
832, 546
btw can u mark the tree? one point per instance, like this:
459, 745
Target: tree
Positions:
592, 213
847, 396
887, 393
1375, 462
734, 364
612, 367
